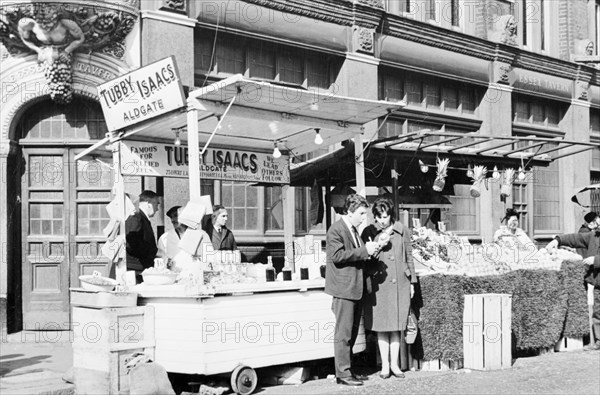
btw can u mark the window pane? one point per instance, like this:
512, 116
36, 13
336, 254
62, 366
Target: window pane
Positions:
393, 88
231, 57
449, 96
546, 198
537, 112
91, 218
291, 68
521, 109
273, 208
413, 92
432, 95
467, 100
262, 61
317, 75
463, 217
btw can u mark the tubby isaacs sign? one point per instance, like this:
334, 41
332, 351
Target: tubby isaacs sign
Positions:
143, 94
168, 160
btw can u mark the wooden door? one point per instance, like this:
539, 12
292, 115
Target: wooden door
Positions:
63, 217
90, 192
45, 238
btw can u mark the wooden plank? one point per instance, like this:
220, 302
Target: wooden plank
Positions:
492, 332
506, 331
477, 325
444, 365
468, 331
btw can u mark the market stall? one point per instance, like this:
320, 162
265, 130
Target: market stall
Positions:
252, 322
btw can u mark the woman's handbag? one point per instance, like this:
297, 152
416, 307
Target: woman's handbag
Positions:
411, 327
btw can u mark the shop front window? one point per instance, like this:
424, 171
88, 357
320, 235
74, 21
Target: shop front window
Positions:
273, 208
463, 217
546, 198
241, 200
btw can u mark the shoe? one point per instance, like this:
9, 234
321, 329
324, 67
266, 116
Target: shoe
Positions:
361, 377
399, 375
352, 381
384, 375
592, 347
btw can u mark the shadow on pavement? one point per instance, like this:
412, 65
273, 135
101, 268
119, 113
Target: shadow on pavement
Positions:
9, 366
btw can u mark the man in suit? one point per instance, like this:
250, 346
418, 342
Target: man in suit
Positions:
221, 237
590, 243
141, 242
344, 280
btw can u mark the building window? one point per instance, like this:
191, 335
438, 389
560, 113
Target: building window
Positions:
430, 10
241, 200
273, 208
520, 204
430, 92
463, 218
455, 13
82, 120
263, 60
538, 112
546, 198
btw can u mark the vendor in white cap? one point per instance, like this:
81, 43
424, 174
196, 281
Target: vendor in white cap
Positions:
168, 242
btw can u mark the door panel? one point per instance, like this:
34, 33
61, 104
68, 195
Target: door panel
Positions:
45, 235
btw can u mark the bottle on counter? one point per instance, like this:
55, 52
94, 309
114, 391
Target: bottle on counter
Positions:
287, 272
303, 271
270, 271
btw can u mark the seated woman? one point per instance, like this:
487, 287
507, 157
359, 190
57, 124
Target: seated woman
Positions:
511, 235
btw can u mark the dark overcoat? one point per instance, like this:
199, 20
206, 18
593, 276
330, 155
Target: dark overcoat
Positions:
390, 274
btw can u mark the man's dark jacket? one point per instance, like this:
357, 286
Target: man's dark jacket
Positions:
590, 243
141, 243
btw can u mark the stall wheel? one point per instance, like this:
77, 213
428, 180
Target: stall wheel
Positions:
243, 380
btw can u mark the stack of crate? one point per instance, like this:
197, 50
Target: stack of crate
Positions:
104, 340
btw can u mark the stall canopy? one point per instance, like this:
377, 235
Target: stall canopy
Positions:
265, 113
410, 150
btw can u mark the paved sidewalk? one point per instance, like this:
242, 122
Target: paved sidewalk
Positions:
30, 364
37, 367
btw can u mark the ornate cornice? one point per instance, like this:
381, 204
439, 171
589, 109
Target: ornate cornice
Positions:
368, 13
336, 11
434, 36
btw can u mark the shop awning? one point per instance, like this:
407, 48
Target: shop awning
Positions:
265, 113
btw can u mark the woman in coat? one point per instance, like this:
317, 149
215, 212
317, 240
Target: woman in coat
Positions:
391, 276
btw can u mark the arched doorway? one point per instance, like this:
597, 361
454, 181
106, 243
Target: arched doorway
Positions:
62, 206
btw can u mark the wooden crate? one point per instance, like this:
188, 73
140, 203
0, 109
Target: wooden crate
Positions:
487, 331
437, 365
569, 344
104, 339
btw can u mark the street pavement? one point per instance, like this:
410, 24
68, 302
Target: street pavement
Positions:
31, 364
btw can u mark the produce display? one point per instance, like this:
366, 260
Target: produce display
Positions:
446, 253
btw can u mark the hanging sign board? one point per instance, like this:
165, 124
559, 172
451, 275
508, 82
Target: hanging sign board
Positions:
143, 94
168, 160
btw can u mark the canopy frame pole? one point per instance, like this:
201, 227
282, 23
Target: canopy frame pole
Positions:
119, 189
359, 165
194, 152
287, 195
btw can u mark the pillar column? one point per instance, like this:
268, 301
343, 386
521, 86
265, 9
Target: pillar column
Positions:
495, 111
167, 33
574, 170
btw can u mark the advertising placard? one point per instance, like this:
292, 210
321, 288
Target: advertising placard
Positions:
143, 94
168, 160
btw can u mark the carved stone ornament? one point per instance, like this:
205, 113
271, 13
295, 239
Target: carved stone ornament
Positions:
364, 39
502, 73
581, 90
174, 5
372, 3
56, 30
505, 30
